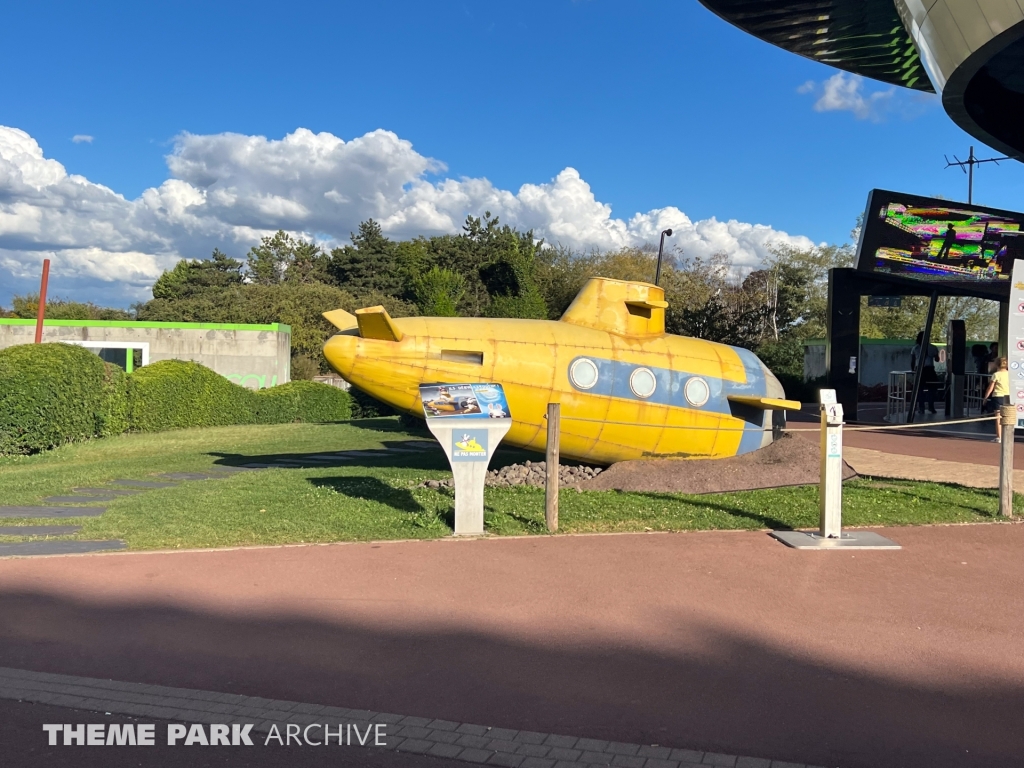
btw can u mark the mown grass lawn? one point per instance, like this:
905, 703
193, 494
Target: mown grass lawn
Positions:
380, 497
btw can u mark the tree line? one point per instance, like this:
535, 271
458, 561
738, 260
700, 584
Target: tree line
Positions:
493, 270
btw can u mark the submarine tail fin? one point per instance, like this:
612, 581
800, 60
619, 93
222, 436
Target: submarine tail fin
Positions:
765, 403
342, 320
376, 323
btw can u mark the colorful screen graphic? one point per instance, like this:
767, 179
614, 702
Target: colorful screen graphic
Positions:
937, 240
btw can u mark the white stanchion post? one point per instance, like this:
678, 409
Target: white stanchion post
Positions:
830, 534
830, 486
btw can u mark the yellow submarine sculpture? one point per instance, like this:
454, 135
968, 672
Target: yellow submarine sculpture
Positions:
627, 389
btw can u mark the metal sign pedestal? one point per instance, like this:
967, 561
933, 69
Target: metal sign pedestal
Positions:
470, 472
469, 421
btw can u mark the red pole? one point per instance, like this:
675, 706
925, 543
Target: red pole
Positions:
41, 314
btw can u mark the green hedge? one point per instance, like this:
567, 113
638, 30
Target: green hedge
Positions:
307, 401
172, 394
51, 394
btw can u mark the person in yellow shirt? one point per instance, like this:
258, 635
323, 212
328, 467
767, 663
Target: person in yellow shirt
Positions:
999, 392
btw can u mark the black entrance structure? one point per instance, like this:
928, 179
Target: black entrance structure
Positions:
846, 286
918, 246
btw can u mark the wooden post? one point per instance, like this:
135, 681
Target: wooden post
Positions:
551, 468
41, 312
1008, 418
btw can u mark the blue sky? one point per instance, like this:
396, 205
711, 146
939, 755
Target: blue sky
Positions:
654, 103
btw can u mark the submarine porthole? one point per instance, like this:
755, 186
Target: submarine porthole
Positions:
696, 391
642, 382
583, 373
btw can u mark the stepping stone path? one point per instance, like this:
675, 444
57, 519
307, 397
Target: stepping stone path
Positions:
23, 548
52, 511
143, 484
77, 499
192, 475
112, 492
38, 530
128, 487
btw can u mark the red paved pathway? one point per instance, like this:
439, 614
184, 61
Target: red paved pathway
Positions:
715, 641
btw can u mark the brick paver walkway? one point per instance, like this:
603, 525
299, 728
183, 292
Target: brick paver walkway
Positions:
466, 742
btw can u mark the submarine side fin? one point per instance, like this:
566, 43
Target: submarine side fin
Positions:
765, 403
342, 320
376, 323
619, 306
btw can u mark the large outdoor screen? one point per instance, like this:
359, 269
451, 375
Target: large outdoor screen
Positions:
938, 240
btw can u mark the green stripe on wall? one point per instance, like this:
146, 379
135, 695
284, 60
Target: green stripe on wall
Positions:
275, 327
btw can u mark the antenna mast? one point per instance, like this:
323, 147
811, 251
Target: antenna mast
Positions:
967, 166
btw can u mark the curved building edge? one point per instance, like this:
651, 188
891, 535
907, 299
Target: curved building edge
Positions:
972, 51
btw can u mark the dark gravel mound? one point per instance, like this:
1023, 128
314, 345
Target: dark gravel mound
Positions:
787, 461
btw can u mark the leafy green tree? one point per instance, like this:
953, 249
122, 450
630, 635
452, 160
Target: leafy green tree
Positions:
282, 258
372, 263
510, 277
438, 292
192, 277
27, 307
710, 320
465, 254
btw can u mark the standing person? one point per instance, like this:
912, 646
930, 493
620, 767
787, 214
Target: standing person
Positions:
926, 359
999, 391
947, 240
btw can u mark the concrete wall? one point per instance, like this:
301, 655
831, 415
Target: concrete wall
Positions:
254, 356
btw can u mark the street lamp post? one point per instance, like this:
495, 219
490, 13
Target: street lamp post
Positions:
661, 247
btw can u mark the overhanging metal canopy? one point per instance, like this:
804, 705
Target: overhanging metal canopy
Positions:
865, 37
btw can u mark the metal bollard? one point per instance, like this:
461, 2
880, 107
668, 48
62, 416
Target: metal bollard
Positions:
830, 487
1008, 421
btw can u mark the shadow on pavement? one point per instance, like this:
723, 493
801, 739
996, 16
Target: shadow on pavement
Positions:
730, 693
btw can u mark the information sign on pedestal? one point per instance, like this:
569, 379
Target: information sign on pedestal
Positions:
469, 420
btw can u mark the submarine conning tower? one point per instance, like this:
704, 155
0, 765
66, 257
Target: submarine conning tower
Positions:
623, 307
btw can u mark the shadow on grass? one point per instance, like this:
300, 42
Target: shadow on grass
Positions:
932, 492
367, 488
764, 521
429, 459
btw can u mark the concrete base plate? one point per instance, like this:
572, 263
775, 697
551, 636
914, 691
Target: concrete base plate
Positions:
851, 540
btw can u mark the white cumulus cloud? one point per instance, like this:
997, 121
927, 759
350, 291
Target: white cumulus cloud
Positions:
81, 138
228, 190
846, 93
